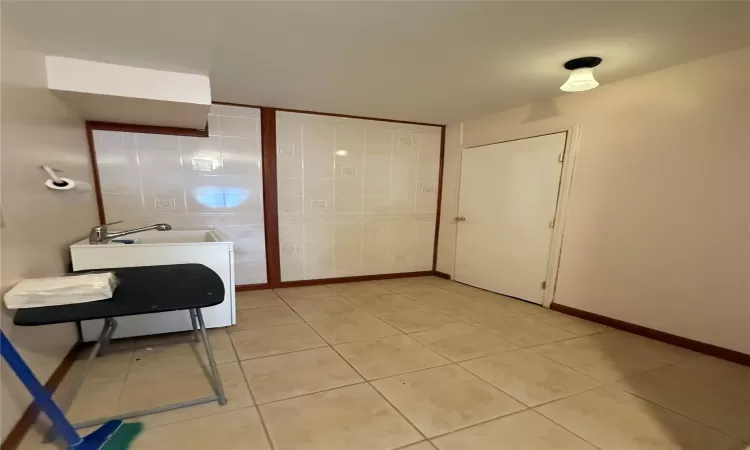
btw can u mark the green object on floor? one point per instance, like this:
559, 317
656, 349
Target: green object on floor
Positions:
123, 437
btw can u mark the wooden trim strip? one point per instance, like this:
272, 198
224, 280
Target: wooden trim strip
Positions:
298, 283
28, 419
270, 195
318, 113
95, 172
126, 128
518, 139
385, 276
251, 287
439, 199
442, 275
679, 341
147, 129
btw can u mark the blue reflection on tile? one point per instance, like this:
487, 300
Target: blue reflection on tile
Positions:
220, 197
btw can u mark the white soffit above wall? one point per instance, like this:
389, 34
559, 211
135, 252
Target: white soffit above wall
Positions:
132, 95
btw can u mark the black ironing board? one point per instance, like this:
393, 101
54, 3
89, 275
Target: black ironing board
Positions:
141, 290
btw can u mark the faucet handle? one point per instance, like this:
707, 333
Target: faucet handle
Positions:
97, 233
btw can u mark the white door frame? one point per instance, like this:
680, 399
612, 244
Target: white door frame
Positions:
572, 144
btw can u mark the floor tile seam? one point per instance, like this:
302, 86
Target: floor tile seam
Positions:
525, 407
293, 302
405, 447
470, 359
344, 314
301, 320
505, 416
125, 380
561, 363
364, 338
287, 353
565, 428
692, 419
625, 376
309, 394
323, 344
378, 392
258, 307
536, 345
255, 404
614, 385
560, 328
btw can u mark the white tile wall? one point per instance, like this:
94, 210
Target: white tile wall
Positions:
356, 197
191, 182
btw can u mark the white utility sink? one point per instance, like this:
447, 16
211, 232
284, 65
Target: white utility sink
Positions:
164, 237
155, 248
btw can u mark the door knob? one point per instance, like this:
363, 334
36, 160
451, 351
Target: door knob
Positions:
461, 219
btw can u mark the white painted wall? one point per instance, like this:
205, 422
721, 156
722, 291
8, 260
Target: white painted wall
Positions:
37, 224
658, 227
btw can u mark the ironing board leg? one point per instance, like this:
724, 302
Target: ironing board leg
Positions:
110, 333
194, 321
108, 329
215, 377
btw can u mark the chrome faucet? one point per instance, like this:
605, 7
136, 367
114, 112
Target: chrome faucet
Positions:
101, 234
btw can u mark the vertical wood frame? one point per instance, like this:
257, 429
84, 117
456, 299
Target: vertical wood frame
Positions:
270, 195
439, 199
95, 174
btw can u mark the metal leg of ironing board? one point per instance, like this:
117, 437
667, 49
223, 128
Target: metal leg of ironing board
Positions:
105, 343
215, 377
108, 329
194, 321
215, 380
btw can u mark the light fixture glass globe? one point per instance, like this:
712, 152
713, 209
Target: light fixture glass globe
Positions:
580, 80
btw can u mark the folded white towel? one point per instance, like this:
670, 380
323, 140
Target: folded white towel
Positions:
38, 292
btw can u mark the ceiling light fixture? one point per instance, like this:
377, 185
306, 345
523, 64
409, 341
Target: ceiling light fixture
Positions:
581, 74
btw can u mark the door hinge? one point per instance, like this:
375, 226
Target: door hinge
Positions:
552, 224
561, 157
544, 285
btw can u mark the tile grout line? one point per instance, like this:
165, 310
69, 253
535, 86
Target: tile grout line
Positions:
427, 441
711, 427
564, 427
378, 392
590, 375
239, 362
252, 396
526, 408
127, 376
604, 383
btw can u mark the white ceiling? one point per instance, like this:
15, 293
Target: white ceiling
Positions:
426, 61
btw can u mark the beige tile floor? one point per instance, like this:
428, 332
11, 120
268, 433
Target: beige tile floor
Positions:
420, 364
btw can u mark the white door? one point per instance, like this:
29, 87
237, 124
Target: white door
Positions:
508, 198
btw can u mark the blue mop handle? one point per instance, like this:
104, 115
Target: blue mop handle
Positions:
41, 397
